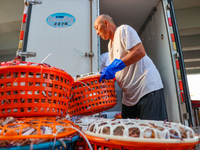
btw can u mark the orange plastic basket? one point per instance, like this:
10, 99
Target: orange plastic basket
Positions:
32, 89
91, 96
110, 144
132, 134
37, 128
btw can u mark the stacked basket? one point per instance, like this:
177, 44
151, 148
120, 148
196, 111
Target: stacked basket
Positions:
30, 89
89, 96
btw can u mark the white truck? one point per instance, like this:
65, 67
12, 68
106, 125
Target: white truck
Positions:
63, 30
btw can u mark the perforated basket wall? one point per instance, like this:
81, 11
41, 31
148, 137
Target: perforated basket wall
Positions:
129, 134
31, 89
91, 96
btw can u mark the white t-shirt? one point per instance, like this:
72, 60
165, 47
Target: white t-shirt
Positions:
139, 78
104, 60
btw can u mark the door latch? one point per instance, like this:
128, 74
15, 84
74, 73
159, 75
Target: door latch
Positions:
91, 54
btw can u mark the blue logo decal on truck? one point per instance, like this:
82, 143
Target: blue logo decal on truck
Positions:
60, 20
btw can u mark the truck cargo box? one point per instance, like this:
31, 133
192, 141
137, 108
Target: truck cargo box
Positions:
72, 42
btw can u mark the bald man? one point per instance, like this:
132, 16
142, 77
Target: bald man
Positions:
134, 71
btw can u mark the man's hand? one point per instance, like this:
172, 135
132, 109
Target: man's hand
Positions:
109, 71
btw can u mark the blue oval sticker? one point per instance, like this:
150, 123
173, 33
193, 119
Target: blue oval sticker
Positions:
60, 20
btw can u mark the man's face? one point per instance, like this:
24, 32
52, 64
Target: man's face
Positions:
101, 29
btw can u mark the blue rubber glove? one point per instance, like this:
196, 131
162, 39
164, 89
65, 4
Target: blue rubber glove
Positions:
109, 71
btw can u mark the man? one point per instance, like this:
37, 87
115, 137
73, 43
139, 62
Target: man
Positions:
134, 71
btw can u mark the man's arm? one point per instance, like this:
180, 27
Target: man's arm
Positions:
135, 54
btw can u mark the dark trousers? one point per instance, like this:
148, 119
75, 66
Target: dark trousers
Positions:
151, 107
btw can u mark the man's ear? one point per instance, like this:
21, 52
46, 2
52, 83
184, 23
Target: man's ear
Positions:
105, 22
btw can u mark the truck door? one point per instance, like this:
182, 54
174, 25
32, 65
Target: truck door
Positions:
61, 34
186, 105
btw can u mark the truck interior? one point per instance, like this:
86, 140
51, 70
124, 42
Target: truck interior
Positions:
149, 19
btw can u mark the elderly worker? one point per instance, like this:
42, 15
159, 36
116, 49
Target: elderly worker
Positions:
134, 71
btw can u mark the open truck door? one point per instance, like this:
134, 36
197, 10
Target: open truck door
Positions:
62, 32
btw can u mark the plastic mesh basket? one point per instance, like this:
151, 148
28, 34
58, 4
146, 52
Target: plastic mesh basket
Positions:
68, 144
109, 144
32, 89
91, 96
81, 144
129, 134
36, 128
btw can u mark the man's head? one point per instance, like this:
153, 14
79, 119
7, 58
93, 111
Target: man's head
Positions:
105, 27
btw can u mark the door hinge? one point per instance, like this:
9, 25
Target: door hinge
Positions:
26, 54
185, 116
33, 2
168, 6
176, 55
